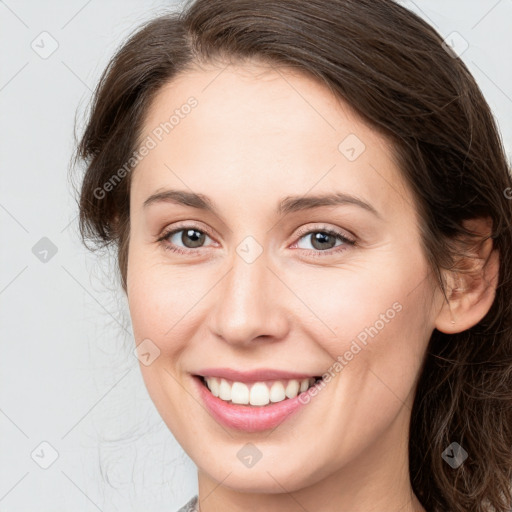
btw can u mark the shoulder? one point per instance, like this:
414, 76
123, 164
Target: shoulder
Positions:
190, 506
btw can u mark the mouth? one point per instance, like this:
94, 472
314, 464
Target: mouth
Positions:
256, 406
257, 394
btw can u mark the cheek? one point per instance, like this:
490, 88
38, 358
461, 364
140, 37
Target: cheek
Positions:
373, 316
158, 303
165, 300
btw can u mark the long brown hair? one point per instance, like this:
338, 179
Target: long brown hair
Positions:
392, 68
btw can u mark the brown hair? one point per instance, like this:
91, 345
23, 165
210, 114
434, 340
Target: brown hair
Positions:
391, 67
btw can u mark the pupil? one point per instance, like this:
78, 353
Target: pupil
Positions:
322, 238
193, 234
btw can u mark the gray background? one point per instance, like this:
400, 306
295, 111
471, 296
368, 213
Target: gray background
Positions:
68, 376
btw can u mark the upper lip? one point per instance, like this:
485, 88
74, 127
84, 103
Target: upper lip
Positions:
257, 375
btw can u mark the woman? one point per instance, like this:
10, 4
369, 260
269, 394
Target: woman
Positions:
225, 147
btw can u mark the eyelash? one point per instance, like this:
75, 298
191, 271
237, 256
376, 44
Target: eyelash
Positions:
315, 253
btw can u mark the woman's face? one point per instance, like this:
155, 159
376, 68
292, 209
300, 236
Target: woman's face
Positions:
261, 283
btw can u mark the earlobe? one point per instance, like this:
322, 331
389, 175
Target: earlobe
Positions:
471, 291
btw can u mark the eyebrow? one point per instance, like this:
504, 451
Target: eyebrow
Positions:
288, 205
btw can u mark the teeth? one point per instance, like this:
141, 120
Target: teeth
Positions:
257, 393
304, 385
292, 389
277, 393
224, 390
214, 386
239, 393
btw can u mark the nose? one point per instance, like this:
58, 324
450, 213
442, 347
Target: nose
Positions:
250, 304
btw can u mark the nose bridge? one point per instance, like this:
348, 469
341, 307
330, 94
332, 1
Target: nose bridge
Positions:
249, 304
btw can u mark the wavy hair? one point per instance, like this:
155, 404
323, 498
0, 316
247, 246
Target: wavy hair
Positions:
392, 68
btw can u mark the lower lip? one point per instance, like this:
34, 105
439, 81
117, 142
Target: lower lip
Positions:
248, 417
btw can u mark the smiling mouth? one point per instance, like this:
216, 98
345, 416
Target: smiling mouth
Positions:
257, 393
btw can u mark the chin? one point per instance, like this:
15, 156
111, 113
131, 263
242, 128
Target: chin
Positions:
264, 479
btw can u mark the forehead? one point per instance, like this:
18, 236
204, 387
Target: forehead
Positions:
257, 128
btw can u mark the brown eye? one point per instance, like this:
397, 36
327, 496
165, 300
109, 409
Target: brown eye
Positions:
190, 238
321, 240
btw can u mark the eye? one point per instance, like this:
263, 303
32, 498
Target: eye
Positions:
190, 237
322, 240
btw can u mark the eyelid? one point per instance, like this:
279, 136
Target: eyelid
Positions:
183, 225
325, 227
349, 238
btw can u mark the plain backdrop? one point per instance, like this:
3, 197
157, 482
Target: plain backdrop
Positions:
77, 428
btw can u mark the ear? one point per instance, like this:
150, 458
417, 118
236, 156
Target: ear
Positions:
471, 285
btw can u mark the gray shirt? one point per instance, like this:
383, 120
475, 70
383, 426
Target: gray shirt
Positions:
191, 506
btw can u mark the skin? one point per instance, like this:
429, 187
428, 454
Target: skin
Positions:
258, 135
